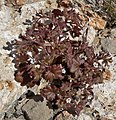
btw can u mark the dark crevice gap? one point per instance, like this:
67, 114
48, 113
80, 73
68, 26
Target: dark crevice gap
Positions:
25, 115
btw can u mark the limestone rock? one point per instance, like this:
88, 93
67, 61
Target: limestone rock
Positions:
19, 2
37, 110
65, 116
97, 22
105, 95
91, 35
11, 25
109, 43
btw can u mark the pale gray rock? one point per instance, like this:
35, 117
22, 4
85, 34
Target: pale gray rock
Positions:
11, 25
37, 110
19, 118
105, 94
109, 43
91, 35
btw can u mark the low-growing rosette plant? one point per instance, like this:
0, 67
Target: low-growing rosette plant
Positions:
70, 67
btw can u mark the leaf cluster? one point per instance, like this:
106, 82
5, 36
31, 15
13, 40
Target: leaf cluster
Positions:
70, 67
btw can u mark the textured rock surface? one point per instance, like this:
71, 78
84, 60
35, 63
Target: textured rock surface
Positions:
109, 42
11, 25
105, 95
29, 107
37, 110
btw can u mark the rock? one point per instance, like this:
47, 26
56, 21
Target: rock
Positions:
107, 74
37, 110
9, 89
51, 4
91, 35
19, 2
1, 85
109, 43
93, 18
15, 2
65, 116
96, 21
104, 118
11, 25
84, 117
19, 118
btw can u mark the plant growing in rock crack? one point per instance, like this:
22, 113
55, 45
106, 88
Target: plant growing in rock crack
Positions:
70, 67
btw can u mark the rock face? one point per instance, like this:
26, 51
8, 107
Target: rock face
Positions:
12, 107
109, 42
11, 25
19, 2
37, 110
29, 107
